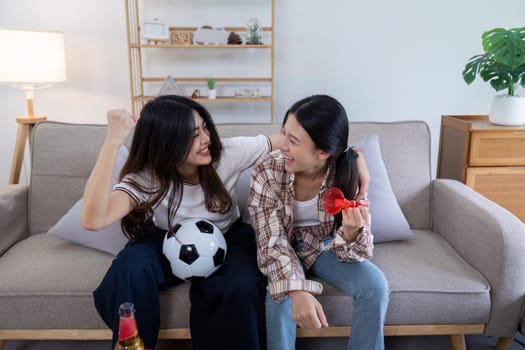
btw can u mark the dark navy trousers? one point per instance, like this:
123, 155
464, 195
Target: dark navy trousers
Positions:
227, 308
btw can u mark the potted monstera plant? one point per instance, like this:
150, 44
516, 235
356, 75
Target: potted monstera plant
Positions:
503, 66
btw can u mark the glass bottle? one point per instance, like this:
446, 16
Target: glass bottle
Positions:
254, 32
128, 335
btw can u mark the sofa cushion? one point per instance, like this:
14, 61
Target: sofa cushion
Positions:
429, 284
63, 156
405, 148
110, 239
53, 275
388, 221
58, 277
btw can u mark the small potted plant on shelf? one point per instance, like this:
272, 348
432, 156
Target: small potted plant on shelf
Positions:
503, 66
212, 93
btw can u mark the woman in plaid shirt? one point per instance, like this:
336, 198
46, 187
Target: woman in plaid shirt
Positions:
297, 239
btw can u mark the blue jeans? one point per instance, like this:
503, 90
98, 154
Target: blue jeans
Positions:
363, 281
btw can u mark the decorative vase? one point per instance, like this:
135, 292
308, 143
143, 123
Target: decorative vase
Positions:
254, 32
507, 110
212, 94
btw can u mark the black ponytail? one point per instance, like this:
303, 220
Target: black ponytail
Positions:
346, 177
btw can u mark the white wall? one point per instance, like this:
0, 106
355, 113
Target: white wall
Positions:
385, 60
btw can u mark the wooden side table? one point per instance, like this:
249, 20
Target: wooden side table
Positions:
489, 158
25, 128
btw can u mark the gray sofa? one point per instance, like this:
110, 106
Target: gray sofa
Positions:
462, 274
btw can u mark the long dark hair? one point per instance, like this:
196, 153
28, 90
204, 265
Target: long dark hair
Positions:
326, 122
161, 143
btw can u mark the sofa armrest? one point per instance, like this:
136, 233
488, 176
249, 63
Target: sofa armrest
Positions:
492, 240
13, 215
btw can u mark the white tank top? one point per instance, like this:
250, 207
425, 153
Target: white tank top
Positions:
305, 213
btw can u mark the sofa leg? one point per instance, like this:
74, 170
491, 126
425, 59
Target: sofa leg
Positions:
1, 344
458, 342
503, 343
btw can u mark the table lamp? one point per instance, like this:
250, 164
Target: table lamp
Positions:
30, 60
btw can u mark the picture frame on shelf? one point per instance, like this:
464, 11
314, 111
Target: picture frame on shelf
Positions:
154, 32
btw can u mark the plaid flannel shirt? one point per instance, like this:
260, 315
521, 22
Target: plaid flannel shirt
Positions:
285, 252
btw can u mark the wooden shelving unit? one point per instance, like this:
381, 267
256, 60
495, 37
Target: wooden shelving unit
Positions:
139, 81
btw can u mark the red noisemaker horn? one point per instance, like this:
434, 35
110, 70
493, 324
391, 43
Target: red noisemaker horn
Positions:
334, 201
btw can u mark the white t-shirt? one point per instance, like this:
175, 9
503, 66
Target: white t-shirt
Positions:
238, 154
305, 213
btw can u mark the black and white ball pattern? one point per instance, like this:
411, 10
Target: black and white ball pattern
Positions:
195, 248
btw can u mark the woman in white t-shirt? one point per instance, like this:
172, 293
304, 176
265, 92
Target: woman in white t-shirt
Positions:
178, 167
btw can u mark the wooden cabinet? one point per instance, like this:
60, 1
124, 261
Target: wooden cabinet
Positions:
489, 158
191, 64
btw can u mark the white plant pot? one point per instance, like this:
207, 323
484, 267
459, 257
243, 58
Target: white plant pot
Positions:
212, 94
507, 110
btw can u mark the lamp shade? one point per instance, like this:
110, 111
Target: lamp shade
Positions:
32, 57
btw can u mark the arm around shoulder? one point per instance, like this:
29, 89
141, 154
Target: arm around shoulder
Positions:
275, 141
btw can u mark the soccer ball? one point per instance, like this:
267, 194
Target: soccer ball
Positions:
195, 248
